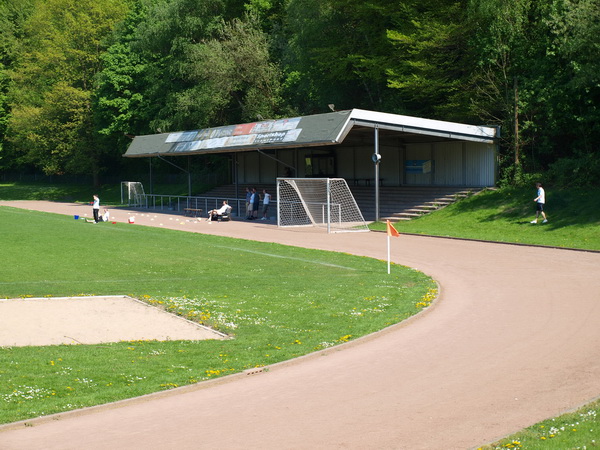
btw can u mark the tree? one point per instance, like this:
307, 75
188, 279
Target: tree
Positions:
336, 54
233, 76
547, 52
430, 64
13, 14
51, 124
188, 64
498, 44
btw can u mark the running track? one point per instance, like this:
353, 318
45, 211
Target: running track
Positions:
512, 340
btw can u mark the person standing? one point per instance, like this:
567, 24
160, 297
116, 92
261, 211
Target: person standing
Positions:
248, 203
255, 203
540, 201
266, 201
96, 208
253, 195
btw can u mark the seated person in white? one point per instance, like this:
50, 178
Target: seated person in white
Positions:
103, 218
215, 213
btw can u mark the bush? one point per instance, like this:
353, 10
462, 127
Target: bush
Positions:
580, 171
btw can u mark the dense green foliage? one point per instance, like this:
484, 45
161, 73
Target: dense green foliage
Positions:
76, 77
222, 282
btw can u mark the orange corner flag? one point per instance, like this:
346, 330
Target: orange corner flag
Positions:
391, 231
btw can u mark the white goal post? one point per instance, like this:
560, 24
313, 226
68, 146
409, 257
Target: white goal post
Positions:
132, 193
318, 202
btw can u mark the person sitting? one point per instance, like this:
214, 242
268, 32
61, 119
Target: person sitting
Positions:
103, 218
216, 213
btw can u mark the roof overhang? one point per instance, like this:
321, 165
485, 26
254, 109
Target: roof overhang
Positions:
299, 132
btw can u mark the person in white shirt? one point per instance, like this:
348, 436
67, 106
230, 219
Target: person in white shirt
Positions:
214, 213
96, 208
103, 218
540, 201
266, 201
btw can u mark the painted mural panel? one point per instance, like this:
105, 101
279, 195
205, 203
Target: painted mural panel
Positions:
418, 152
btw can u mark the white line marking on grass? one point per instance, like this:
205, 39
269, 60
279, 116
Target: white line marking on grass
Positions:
286, 257
13, 283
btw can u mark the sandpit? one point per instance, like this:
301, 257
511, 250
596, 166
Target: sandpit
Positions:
91, 320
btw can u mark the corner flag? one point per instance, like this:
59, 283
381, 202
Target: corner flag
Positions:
391, 231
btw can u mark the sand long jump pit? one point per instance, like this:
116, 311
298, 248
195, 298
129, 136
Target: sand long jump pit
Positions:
92, 320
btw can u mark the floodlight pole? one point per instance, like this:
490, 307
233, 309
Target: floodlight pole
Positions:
376, 159
150, 174
328, 206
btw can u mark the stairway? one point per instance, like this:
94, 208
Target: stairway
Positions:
407, 202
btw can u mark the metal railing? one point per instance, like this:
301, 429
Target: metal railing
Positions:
179, 203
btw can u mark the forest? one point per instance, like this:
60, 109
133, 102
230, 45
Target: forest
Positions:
77, 77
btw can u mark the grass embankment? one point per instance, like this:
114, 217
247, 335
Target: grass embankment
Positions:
505, 215
277, 302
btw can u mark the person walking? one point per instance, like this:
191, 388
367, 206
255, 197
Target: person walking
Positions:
540, 201
96, 208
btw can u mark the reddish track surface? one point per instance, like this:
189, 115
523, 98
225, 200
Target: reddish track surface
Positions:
513, 339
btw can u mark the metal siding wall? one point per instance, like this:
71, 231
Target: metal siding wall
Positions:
454, 164
448, 163
480, 164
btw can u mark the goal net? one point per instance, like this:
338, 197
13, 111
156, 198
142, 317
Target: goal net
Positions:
319, 202
132, 193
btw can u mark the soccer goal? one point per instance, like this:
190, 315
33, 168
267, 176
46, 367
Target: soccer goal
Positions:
319, 202
132, 193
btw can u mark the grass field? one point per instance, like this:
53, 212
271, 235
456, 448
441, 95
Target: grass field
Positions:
503, 215
277, 302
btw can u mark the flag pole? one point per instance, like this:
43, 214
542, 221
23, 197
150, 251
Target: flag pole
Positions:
388, 253
391, 231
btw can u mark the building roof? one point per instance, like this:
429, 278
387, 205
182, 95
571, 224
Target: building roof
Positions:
307, 131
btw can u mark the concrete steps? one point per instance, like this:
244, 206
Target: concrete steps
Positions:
407, 202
